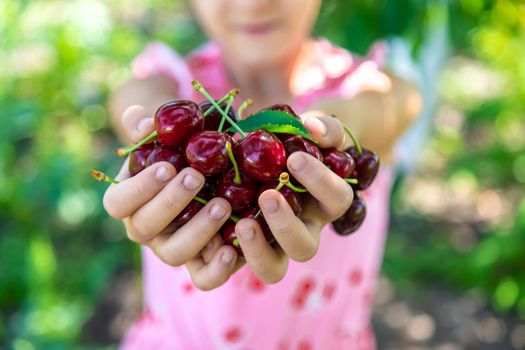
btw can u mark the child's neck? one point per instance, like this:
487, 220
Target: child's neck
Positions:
267, 86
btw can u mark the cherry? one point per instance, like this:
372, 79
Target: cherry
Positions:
296, 143
177, 121
339, 162
208, 190
206, 152
240, 195
352, 218
185, 215
366, 167
293, 198
175, 156
283, 108
213, 119
138, 158
261, 155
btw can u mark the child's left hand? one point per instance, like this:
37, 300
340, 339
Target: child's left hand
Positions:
330, 197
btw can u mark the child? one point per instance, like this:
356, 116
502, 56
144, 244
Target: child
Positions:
315, 292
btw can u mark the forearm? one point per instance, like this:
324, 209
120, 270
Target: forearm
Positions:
149, 93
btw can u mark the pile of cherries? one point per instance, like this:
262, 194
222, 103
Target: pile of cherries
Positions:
239, 167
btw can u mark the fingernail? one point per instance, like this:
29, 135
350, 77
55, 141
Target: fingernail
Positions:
315, 124
227, 257
271, 206
144, 124
298, 162
217, 212
163, 174
190, 182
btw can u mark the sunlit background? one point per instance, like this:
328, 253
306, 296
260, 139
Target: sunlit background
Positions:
454, 270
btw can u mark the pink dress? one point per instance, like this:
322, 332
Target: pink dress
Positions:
324, 303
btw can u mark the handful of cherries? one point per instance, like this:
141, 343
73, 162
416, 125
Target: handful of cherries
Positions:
190, 134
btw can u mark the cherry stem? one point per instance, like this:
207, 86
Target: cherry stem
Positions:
295, 188
100, 176
231, 93
197, 86
228, 106
243, 106
354, 140
352, 181
233, 218
125, 151
237, 178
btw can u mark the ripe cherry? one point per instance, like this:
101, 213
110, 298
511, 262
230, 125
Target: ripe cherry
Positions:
283, 108
212, 120
208, 190
206, 152
293, 198
352, 218
296, 143
177, 121
240, 194
366, 167
230, 237
138, 158
339, 162
175, 156
261, 155
185, 215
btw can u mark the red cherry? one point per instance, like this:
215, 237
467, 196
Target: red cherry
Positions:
213, 120
208, 190
352, 218
296, 143
339, 162
230, 237
261, 155
240, 195
283, 108
293, 198
185, 215
206, 152
366, 167
174, 156
138, 158
177, 121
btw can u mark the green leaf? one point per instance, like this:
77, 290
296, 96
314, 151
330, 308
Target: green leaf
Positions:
274, 121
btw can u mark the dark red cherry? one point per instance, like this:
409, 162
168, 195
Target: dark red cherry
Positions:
352, 218
175, 156
261, 155
213, 120
293, 198
284, 108
296, 143
208, 190
185, 215
206, 152
366, 167
230, 237
177, 121
339, 162
240, 195
138, 158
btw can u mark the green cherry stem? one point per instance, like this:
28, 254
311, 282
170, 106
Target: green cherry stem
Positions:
230, 94
197, 86
295, 188
100, 176
125, 151
228, 106
352, 181
237, 178
354, 140
243, 106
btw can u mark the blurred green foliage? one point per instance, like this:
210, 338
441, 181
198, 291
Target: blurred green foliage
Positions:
60, 59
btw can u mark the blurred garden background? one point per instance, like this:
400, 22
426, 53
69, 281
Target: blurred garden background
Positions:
454, 270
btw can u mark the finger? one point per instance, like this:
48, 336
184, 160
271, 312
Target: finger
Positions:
209, 250
264, 261
333, 193
123, 199
289, 231
326, 130
137, 123
216, 272
178, 248
156, 214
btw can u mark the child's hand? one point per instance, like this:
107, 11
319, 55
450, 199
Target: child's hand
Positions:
149, 201
330, 197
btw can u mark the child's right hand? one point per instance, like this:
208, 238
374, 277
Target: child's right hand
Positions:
150, 200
